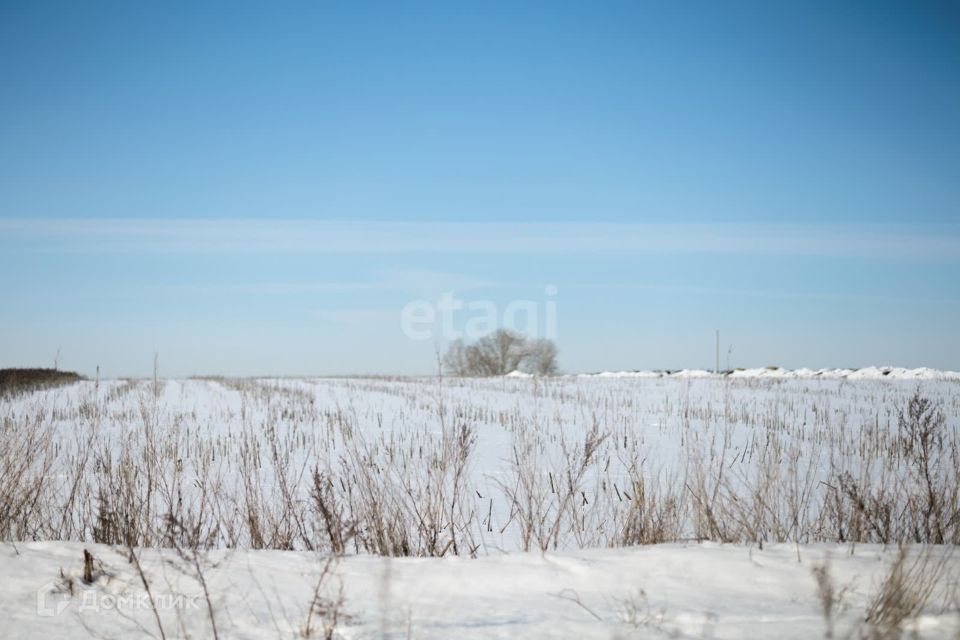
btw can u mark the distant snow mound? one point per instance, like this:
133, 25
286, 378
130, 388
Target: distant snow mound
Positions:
628, 374
692, 373
516, 373
867, 373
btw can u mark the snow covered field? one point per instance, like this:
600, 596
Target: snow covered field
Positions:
611, 505
672, 590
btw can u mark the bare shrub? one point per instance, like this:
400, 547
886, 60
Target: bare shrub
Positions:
636, 612
27, 458
830, 598
934, 505
705, 484
655, 512
546, 502
396, 501
913, 495
334, 521
326, 611
903, 594
191, 562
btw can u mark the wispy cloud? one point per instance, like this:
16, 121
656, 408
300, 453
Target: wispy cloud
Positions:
267, 288
427, 283
938, 242
362, 317
695, 290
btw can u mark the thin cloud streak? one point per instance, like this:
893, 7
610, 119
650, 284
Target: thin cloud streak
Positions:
272, 288
379, 317
424, 282
758, 293
240, 236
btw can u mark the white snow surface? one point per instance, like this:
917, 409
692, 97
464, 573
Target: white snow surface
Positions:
671, 590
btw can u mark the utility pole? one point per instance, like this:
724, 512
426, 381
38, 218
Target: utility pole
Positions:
718, 352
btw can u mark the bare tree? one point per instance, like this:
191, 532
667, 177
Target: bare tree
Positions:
500, 353
541, 358
455, 359
506, 349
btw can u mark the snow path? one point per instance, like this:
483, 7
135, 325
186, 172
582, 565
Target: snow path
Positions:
693, 590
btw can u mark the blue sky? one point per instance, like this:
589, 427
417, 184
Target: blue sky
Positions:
253, 189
